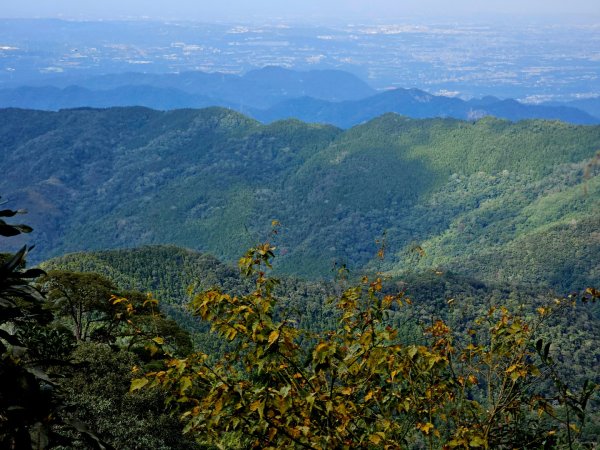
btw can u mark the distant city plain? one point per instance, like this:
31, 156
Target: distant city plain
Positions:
533, 62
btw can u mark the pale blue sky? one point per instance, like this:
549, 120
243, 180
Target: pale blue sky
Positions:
204, 10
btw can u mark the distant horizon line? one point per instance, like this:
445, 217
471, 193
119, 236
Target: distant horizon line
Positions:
549, 18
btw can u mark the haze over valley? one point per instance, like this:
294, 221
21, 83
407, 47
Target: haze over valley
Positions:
534, 61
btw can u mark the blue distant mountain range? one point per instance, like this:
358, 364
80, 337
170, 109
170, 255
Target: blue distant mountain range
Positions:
273, 93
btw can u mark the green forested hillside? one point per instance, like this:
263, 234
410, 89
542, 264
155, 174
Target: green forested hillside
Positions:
460, 302
168, 272
501, 201
172, 273
97, 385
518, 228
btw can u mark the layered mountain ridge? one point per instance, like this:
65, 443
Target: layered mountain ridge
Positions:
274, 93
501, 201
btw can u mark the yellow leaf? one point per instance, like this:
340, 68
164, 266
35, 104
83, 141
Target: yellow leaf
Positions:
377, 438
477, 442
425, 427
321, 346
412, 351
151, 300
255, 405
273, 336
159, 340
184, 384
138, 383
272, 433
153, 349
347, 390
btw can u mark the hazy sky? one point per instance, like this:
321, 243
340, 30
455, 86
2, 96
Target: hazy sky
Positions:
300, 9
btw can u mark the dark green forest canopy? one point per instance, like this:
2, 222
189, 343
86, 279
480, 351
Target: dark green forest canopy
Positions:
500, 201
169, 272
168, 269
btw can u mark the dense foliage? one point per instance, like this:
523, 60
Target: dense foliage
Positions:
453, 338
360, 385
456, 300
169, 272
368, 370
68, 345
31, 402
207, 179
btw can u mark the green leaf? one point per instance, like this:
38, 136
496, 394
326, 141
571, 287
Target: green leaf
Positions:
412, 351
184, 384
477, 442
138, 383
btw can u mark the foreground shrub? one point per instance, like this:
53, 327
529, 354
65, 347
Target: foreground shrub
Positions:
360, 386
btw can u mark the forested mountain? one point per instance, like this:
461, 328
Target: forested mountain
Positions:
310, 309
240, 245
273, 93
169, 272
501, 201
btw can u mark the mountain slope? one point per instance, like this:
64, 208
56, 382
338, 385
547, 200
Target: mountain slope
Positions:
214, 180
167, 271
